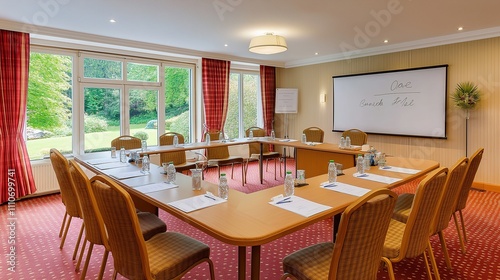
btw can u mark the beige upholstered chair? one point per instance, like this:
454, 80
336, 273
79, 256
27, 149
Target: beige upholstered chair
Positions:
95, 232
357, 136
357, 252
314, 134
167, 255
68, 195
446, 206
254, 149
126, 141
411, 239
474, 162
219, 156
179, 157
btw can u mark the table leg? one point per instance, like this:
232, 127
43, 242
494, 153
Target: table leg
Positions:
255, 269
261, 162
284, 161
336, 223
242, 262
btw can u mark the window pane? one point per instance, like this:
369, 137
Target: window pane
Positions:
142, 72
231, 127
177, 98
49, 121
250, 100
144, 115
102, 69
102, 117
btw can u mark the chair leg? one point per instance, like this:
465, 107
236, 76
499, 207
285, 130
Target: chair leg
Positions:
275, 169
433, 260
65, 233
232, 170
390, 270
463, 225
462, 244
63, 223
82, 251
445, 250
243, 177
115, 273
78, 241
103, 263
87, 261
429, 273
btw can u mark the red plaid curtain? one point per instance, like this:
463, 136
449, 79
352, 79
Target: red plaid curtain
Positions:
15, 169
215, 75
268, 91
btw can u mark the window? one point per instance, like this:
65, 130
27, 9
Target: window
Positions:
245, 105
49, 106
178, 88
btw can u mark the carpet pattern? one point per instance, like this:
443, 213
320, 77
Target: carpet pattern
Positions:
38, 256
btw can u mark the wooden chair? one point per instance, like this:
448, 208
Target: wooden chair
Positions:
68, 195
411, 239
219, 156
179, 157
446, 206
167, 255
474, 162
126, 141
254, 150
357, 136
314, 134
357, 252
95, 232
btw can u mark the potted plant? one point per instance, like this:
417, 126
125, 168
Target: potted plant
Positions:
466, 96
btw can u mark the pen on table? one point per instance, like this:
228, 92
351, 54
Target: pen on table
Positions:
283, 201
212, 198
329, 185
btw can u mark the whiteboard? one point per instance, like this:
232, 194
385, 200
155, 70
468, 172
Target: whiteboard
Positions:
286, 100
409, 102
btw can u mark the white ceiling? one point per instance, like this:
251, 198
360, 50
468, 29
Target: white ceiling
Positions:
334, 29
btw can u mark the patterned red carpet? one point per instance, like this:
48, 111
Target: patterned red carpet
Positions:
38, 256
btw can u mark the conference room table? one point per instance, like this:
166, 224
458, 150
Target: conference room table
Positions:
310, 156
254, 219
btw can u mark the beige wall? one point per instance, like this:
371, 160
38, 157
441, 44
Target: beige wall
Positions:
476, 61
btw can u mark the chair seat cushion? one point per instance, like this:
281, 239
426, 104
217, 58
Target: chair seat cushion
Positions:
225, 161
403, 207
393, 240
150, 224
171, 253
312, 262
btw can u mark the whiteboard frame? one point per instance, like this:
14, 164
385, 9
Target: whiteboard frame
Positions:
286, 101
442, 99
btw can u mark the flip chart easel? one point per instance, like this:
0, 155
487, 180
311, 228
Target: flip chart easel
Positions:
286, 103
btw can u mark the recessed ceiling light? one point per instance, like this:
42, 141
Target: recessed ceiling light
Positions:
112, 20
386, 41
316, 53
460, 28
225, 45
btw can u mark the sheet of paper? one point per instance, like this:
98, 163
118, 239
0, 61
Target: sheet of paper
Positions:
111, 165
313, 143
401, 169
344, 188
377, 178
156, 187
287, 140
126, 174
196, 202
301, 206
102, 160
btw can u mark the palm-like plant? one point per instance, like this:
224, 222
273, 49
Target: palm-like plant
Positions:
466, 95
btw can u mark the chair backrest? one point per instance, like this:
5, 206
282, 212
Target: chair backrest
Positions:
69, 197
449, 196
474, 162
423, 211
122, 225
95, 231
216, 152
126, 141
177, 157
314, 134
357, 136
360, 239
254, 148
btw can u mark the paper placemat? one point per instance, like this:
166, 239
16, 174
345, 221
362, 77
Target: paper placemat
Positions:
301, 206
156, 187
377, 178
313, 143
196, 202
111, 165
400, 169
287, 140
102, 160
127, 174
344, 188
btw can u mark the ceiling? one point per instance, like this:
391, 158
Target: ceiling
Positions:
316, 30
